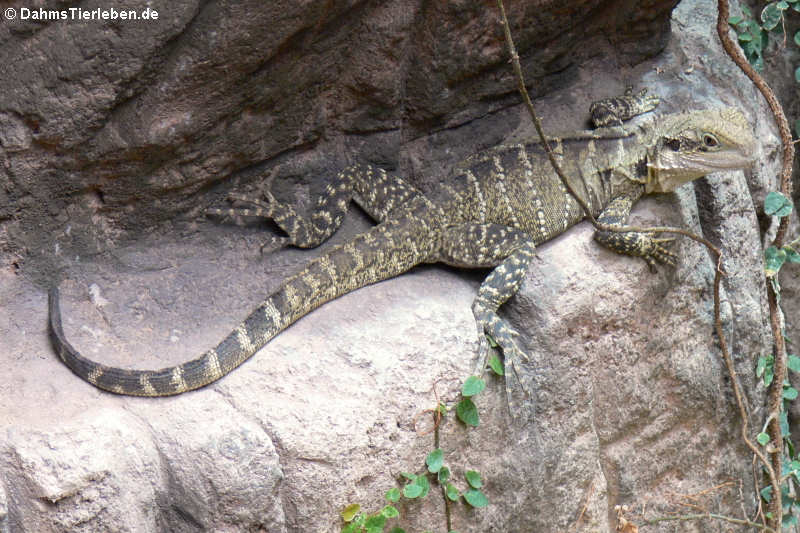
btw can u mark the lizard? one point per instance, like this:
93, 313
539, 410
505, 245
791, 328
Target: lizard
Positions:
492, 212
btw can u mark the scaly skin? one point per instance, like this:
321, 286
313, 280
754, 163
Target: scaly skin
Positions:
492, 213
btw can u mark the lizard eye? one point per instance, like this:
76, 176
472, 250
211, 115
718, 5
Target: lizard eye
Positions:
709, 141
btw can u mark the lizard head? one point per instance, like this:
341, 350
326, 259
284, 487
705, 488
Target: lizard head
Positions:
691, 145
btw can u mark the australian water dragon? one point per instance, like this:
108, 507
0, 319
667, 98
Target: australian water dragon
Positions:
491, 213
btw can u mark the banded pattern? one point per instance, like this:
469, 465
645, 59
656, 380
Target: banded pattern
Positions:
492, 213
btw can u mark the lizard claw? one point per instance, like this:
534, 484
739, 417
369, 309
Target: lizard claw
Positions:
490, 324
644, 102
655, 252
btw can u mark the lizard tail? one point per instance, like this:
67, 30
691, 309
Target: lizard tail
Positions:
384, 251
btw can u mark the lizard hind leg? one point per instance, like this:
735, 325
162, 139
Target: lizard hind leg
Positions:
509, 251
377, 192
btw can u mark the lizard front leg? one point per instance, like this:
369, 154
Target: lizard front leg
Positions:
634, 243
380, 194
614, 111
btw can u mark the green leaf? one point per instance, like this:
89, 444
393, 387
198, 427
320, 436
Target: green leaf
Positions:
773, 260
791, 255
472, 386
797, 42
765, 368
476, 498
777, 204
793, 363
492, 342
783, 418
435, 460
452, 492
762, 438
762, 365
735, 20
474, 479
393, 494
789, 393
350, 528
422, 481
390, 511
443, 475
745, 37
375, 523
412, 490
797, 70
789, 520
766, 493
497, 365
410, 477
746, 11
782, 5
771, 16
350, 512
397, 530
467, 412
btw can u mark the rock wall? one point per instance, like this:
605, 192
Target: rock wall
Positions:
115, 135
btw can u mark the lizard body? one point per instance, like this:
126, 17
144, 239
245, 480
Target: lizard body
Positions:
497, 206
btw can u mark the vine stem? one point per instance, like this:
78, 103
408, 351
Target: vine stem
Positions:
775, 395
705, 516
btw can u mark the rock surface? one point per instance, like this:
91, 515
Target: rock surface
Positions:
113, 136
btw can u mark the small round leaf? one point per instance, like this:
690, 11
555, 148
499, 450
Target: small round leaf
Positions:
497, 365
467, 412
390, 511
375, 522
472, 386
771, 16
474, 479
777, 204
443, 475
452, 492
350, 512
773, 260
762, 438
435, 460
476, 498
393, 494
412, 490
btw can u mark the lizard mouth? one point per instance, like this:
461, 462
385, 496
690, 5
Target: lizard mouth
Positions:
671, 170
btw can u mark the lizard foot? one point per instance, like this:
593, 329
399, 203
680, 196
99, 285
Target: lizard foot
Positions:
655, 252
491, 326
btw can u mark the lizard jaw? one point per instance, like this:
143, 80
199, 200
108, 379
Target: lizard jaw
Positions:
698, 143
671, 170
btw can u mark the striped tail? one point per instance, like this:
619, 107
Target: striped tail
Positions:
384, 251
